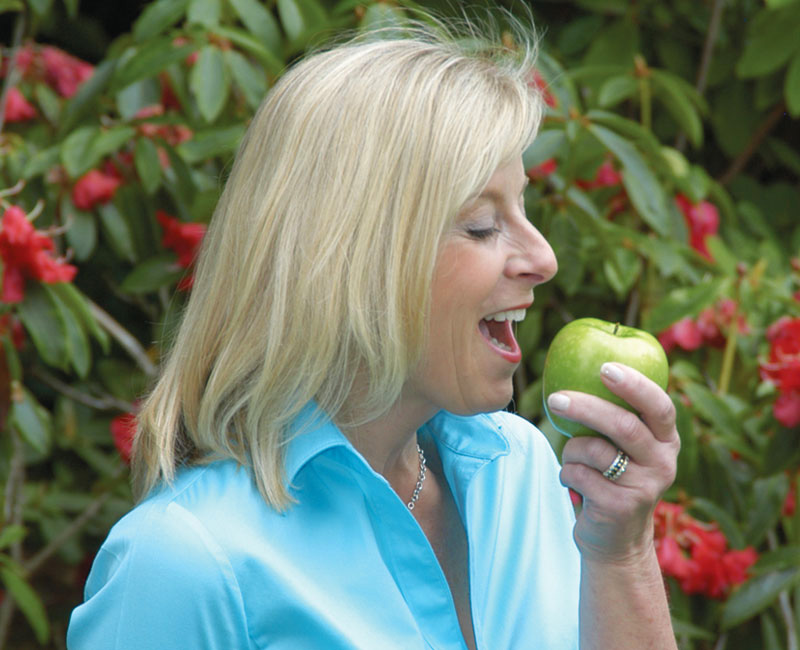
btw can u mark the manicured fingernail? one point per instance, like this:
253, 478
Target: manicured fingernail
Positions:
613, 372
558, 402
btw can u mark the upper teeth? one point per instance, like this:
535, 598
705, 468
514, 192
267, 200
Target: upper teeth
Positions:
511, 314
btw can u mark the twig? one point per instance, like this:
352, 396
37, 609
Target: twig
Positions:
73, 528
104, 403
12, 510
11, 73
705, 61
722, 641
784, 603
124, 338
759, 134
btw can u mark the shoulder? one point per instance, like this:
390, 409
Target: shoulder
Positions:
162, 576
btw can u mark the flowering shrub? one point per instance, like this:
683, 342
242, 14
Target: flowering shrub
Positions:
664, 175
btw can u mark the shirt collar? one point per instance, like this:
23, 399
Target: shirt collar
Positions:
477, 437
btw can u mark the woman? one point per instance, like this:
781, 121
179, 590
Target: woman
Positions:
322, 463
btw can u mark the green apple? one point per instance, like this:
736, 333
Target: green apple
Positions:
581, 347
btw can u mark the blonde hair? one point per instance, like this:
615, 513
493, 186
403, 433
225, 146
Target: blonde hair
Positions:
316, 268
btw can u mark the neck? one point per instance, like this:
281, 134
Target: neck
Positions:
389, 443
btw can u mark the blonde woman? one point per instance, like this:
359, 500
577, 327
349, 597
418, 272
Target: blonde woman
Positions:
323, 462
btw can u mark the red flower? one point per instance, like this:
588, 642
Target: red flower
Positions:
94, 187
685, 334
605, 176
17, 107
538, 82
696, 554
783, 369
542, 170
123, 430
703, 221
64, 72
26, 253
183, 238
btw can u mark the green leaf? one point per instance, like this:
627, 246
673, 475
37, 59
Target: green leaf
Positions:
621, 269
755, 595
642, 186
11, 534
300, 18
672, 97
28, 602
79, 305
260, 22
782, 451
157, 17
117, 232
75, 150
11, 5
49, 102
82, 101
204, 12
728, 525
768, 496
783, 557
136, 96
791, 88
771, 41
210, 143
686, 629
77, 341
152, 274
42, 161
251, 80
107, 142
148, 61
41, 7
246, 41
32, 422
682, 302
392, 21
179, 178
81, 229
546, 145
148, 165
617, 89
40, 318
209, 82
715, 410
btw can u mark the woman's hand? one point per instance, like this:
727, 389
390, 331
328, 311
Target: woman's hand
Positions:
615, 522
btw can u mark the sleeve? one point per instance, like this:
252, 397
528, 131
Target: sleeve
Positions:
160, 581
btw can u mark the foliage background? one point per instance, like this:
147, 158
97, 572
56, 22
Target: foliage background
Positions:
649, 100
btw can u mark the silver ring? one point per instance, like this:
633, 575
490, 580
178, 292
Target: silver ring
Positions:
618, 467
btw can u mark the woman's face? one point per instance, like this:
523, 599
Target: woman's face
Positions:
487, 267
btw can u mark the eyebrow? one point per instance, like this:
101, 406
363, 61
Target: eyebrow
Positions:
497, 196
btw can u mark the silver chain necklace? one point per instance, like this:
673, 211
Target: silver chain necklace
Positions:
420, 479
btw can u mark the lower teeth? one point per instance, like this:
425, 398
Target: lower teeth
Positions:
500, 344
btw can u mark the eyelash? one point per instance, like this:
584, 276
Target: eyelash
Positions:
482, 233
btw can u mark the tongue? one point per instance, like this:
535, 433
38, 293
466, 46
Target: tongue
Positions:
499, 330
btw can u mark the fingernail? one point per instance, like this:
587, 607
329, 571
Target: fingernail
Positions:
613, 372
558, 402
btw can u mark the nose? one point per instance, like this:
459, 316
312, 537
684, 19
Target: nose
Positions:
532, 258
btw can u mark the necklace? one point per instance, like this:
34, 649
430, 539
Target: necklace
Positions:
420, 479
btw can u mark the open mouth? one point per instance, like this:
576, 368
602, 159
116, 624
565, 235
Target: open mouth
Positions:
497, 330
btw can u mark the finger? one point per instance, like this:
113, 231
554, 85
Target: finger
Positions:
624, 429
596, 453
651, 402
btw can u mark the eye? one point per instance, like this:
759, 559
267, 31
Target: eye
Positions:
482, 233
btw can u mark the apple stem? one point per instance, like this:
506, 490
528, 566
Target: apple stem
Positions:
616, 327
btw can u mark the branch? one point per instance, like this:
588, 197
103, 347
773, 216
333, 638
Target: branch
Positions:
73, 528
785, 605
12, 511
758, 136
124, 338
705, 61
103, 403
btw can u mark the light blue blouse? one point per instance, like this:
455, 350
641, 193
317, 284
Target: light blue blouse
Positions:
206, 564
